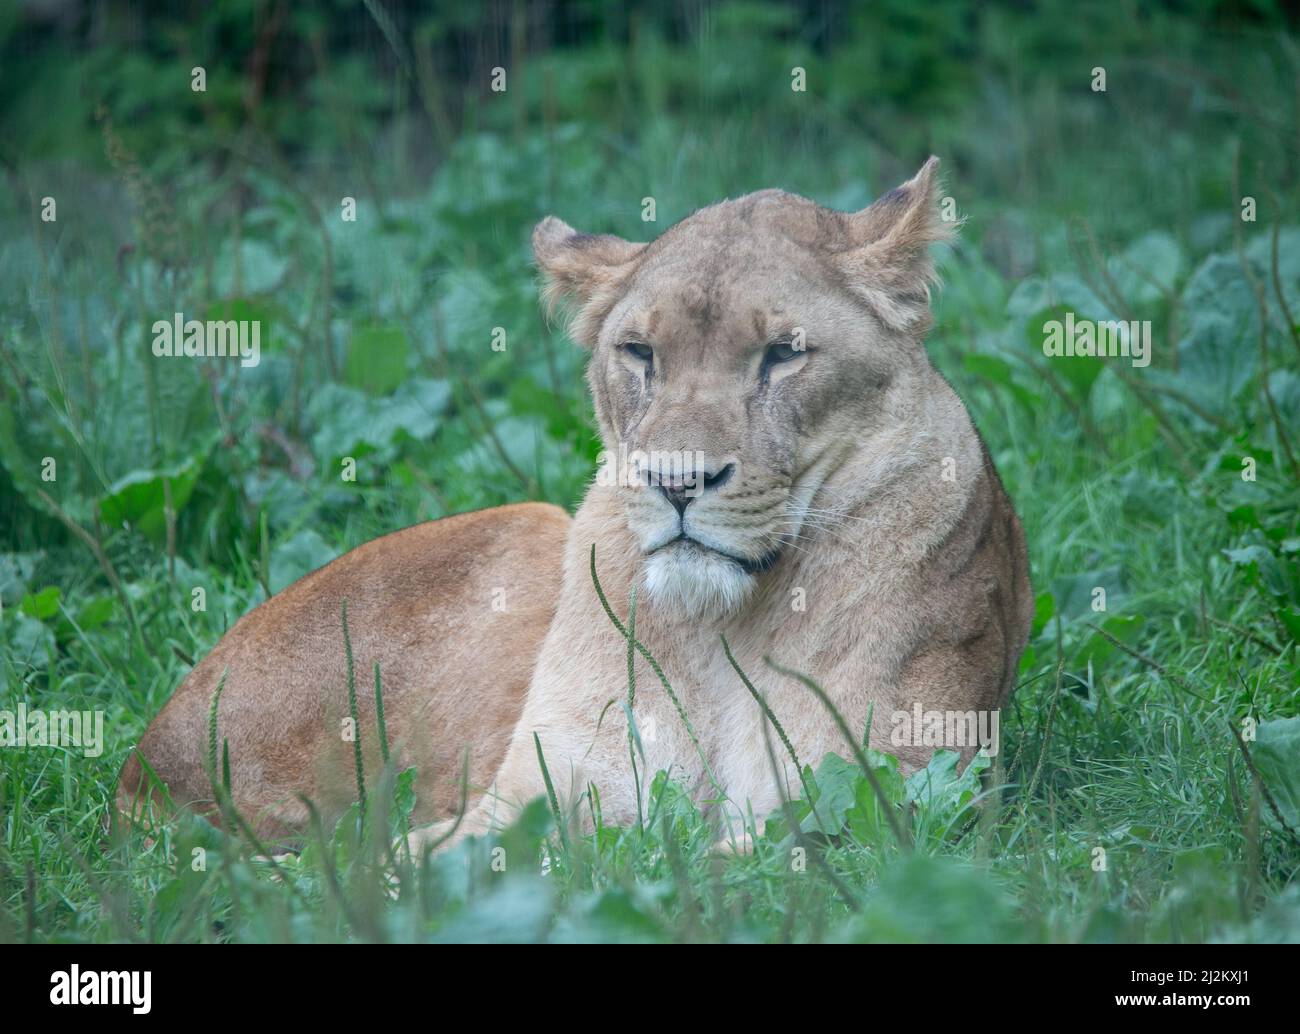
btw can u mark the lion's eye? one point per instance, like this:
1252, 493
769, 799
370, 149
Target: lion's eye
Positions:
639, 350
780, 352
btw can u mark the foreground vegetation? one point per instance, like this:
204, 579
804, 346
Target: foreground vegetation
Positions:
1148, 785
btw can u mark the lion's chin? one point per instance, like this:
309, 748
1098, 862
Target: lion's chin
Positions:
695, 583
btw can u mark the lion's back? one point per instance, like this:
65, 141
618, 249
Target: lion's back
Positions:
452, 611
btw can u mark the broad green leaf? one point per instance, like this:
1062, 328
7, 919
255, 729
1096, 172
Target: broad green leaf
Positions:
1096, 648
999, 371
350, 424
1075, 593
139, 498
376, 359
867, 820
16, 570
941, 794
41, 605
1044, 609
1276, 753
1218, 353
1149, 267
1078, 371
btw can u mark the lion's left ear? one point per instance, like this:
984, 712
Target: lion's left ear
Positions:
588, 268
888, 261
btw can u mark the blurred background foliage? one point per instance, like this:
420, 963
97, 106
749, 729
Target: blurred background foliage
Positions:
227, 201
377, 345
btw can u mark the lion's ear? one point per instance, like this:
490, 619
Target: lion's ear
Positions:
582, 266
888, 261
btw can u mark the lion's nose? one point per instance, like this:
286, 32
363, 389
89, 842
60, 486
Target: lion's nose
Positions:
682, 489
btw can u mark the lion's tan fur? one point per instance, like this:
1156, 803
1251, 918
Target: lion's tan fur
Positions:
454, 671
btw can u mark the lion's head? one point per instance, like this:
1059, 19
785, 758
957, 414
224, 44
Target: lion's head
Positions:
737, 361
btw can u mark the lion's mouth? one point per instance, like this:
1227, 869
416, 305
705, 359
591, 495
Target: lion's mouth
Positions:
749, 566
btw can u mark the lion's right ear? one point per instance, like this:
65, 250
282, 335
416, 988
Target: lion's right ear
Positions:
888, 263
585, 267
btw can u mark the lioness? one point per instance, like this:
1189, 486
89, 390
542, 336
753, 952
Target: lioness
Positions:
800, 480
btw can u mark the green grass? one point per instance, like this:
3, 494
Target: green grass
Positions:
1125, 479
